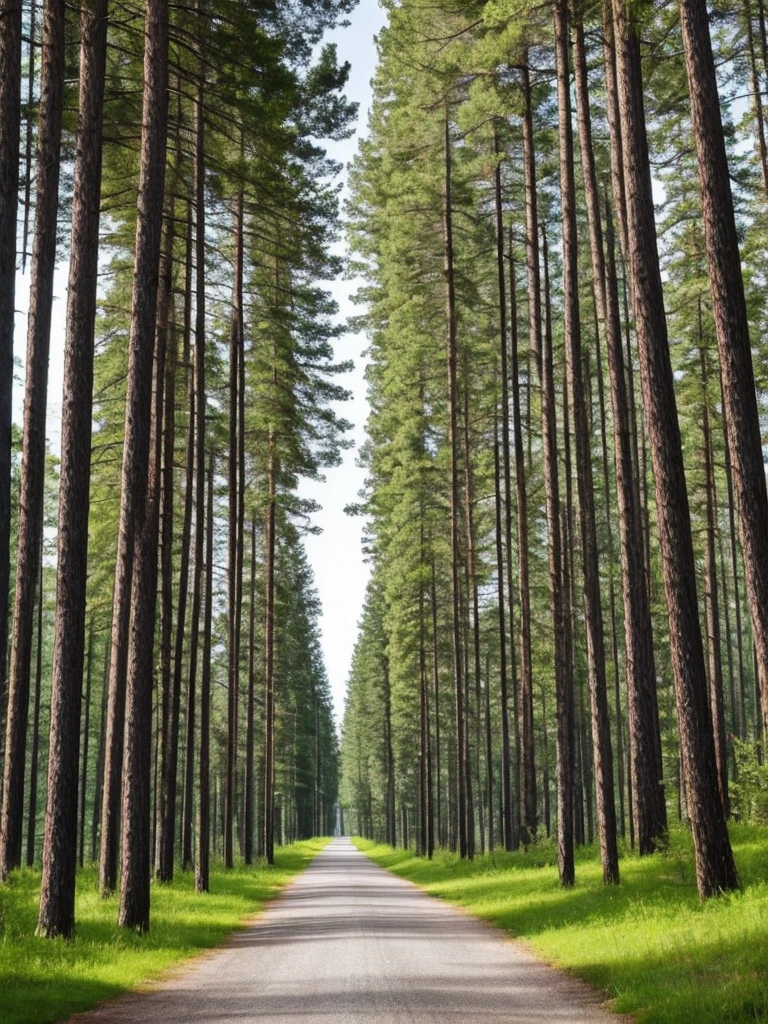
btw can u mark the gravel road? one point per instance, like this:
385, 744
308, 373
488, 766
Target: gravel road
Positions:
348, 943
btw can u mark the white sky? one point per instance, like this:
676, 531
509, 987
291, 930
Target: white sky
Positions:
335, 554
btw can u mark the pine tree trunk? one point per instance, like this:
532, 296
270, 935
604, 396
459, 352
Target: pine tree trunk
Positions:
736, 724
508, 829
599, 294
731, 323
236, 495
197, 413
29, 132
506, 780
137, 759
423, 719
10, 104
171, 808
454, 497
563, 674
489, 742
202, 863
170, 680
34, 760
439, 820
611, 553
526, 738
545, 758
650, 821
249, 726
86, 738
734, 570
601, 723
580, 780
33, 444
528, 798
141, 469
100, 751
647, 803
269, 652
472, 598
389, 791
613, 116
715, 868
711, 602
426, 826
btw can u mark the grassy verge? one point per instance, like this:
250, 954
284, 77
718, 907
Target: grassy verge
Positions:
43, 981
650, 944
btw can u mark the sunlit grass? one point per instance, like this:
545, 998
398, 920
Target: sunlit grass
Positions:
43, 980
650, 944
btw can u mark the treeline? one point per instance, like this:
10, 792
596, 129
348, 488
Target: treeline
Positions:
560, 218
163, 656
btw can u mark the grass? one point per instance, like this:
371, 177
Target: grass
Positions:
651, 945
43, 980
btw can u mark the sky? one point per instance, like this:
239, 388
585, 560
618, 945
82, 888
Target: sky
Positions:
335, 554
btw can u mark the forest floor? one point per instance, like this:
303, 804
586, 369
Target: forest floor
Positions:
656, 950
43, 980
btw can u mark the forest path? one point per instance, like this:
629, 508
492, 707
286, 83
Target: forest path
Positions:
348, 942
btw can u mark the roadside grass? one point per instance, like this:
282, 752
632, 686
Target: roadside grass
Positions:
44, 980
650, 944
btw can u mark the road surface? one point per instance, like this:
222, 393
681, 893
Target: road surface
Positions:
348, 943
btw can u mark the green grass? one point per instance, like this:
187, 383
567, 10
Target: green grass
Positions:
43, 980
650, 944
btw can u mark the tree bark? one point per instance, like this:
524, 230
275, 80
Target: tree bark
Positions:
170, 679
235, 573
137, 758
10, 110
506, 780
563, 676
140, 469
34, 760
731, 324
202, 863
197, 412
648, 805
734, 570
86, 745
99, 773
715, 868
527, 796
250, 707
454, 496
29, 132
269, 656
439, 820
711, 601
508, 829
31, 496
601, 727
169, 836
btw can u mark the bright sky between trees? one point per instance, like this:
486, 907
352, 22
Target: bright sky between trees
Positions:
335, 554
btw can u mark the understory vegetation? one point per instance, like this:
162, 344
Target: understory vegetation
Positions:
654, 948
42, 981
